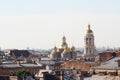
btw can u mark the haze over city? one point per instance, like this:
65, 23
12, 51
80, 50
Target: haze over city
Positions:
42, 23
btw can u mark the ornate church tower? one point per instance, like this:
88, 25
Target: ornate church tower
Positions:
89, 42
64, 44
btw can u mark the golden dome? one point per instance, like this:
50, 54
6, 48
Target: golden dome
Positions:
89, 31
73, 48
65, 49
55, 49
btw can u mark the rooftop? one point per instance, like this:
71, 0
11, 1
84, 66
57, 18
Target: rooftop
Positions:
111, 64
13, 65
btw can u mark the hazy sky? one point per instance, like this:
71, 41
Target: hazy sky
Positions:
42, 23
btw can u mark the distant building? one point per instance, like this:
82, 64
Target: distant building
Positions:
107, 55
11, 68
78, 64
104, 56
70, 53
64, 52
111, 67
89, 42
89, 49
18, 53
109, 63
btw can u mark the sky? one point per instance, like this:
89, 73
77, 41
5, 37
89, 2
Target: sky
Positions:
41, 24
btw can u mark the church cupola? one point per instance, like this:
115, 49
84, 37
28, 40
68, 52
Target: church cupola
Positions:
88, 31
64, 44
55, 49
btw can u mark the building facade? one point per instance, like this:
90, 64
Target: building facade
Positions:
11, 68
89, 42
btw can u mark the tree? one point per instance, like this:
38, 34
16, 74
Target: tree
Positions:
21, 73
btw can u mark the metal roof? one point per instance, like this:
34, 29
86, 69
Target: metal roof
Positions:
111, 64
17, 65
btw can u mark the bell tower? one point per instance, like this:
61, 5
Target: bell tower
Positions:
89, 41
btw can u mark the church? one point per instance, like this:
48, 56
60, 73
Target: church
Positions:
89, 46
66, 52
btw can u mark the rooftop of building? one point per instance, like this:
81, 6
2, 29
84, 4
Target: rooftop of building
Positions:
13, 65
110, 64
48, 62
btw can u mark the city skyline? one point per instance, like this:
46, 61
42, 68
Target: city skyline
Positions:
42, 24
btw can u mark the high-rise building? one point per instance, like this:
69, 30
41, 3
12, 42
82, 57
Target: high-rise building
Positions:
89, 41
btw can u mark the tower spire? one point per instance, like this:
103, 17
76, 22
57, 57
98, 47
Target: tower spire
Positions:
64, 44
64, 39
88, 26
